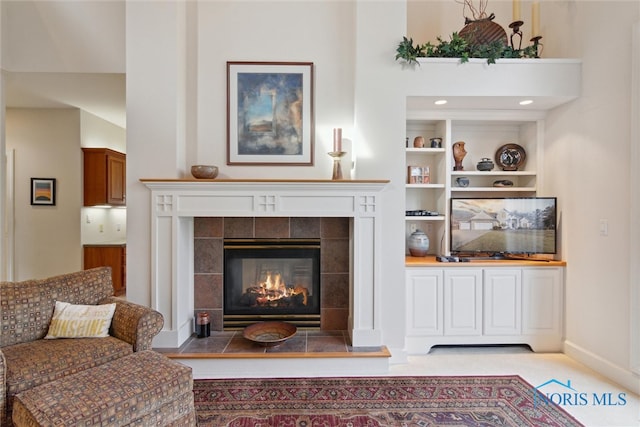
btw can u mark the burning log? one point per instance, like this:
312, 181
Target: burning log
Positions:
273, 292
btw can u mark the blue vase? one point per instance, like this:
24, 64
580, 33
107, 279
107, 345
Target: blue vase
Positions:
418, 243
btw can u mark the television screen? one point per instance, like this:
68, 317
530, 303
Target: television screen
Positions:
513, 225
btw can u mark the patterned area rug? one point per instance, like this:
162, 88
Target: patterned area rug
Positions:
487, 401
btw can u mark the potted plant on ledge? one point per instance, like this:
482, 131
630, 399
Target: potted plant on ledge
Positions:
480, 38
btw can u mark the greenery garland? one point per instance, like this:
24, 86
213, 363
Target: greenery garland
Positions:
459, 47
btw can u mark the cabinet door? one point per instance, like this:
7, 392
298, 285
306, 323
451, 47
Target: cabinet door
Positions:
424, 301
116, 180
502, 301
463, 301
109, 256
542, 301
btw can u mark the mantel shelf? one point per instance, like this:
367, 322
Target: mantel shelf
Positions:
265, 180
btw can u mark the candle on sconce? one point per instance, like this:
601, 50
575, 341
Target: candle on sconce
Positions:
535, 19
337, 140
516, 10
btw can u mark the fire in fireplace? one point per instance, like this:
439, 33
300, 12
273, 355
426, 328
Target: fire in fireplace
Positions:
271, 280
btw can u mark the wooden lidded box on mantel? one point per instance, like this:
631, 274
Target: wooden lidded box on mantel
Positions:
104, 177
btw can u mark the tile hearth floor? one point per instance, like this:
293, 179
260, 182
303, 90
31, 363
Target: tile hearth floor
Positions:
305, 343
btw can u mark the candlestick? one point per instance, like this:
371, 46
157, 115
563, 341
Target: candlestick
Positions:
337, 169
537, 45
516, 35
337, 140
516, 10
535, 19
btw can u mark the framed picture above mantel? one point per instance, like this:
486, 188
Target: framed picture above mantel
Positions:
270, 113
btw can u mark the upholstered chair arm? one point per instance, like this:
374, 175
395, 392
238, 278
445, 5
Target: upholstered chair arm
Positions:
4, 420
134, 323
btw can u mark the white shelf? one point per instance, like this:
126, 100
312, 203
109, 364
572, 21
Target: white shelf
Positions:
493, 173
425, 150
424, 185
493, 189
424, 218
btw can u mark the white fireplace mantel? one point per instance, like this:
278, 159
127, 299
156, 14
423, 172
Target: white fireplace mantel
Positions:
175, 202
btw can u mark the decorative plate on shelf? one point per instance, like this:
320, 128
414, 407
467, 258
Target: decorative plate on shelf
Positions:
510, 157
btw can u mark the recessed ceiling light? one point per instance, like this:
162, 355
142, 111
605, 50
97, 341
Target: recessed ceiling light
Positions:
440, 102
526, 102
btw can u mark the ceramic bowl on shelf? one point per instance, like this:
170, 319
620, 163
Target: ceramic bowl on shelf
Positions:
462, 181
485, 165
204, 171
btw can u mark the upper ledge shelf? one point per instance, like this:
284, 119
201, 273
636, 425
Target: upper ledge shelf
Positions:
477, 85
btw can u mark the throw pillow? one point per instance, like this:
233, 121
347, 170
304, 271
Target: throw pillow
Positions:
80, 321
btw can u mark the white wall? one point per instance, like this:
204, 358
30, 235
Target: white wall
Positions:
325, 33
46, 144
63, 36
588, 167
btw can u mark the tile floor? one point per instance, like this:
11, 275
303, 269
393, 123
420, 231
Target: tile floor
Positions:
537, 369
304, 341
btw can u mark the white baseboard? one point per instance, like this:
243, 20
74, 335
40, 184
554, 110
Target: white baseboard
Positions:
615, 373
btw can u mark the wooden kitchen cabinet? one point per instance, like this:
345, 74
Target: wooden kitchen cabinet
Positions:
110, 255
104, 177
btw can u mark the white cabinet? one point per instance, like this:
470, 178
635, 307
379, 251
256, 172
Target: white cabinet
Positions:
502, 301
542, 291
461, 305
462, 302
424, 291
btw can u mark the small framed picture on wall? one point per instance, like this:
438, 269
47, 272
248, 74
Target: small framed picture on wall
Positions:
43, 191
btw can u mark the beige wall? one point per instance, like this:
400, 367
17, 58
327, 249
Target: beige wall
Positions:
588, 164
46, 145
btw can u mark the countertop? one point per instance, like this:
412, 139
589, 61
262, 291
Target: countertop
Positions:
430, 261
105, 244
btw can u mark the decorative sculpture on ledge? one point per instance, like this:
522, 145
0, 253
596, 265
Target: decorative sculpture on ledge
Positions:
458, 154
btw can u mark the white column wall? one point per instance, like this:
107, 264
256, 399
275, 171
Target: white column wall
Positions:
334, 36
156, 103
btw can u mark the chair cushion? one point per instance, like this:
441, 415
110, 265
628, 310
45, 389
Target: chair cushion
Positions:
142, 389
39, 362
80, 321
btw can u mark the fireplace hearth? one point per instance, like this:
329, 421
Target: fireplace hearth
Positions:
271, 280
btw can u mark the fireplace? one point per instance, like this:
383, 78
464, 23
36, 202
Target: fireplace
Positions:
176, 203
271, 280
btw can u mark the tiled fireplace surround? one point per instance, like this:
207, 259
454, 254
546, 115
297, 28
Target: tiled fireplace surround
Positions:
210, 232
189, 216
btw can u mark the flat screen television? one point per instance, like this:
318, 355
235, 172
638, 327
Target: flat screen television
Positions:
497, 227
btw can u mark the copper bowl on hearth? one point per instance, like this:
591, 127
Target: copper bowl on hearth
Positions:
269, 334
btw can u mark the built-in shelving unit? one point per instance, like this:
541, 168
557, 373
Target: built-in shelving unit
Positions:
472, 303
